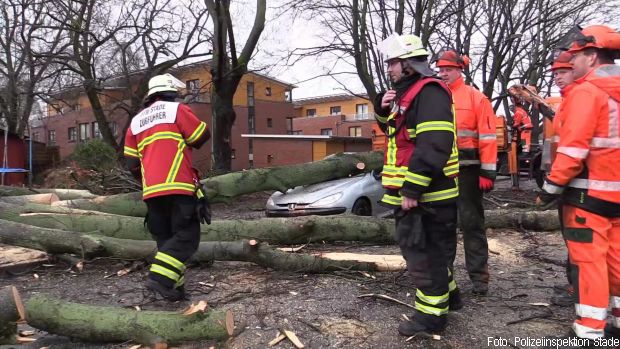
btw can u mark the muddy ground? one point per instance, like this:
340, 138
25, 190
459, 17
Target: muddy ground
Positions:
324, 310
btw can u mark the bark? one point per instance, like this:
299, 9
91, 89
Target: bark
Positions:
226, 187
110, 324
529, 220
129, 204
11, 311
45, 199
280, 231
90, 246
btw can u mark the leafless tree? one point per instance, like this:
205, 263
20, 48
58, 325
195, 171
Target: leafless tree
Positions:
227, 68
27, 45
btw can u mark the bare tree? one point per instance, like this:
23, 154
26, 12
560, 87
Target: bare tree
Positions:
27, 44
227, 69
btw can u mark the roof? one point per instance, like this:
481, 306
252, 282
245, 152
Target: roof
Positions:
117, 82
309, 138
328, 98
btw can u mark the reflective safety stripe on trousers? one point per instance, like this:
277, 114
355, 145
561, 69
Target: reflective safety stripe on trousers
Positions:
169, 184
168, 266
432, 305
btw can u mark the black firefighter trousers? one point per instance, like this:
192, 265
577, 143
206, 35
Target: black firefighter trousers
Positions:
471, 222
174, 224
428, 263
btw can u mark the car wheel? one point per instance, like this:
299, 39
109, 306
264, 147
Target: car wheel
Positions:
362, 207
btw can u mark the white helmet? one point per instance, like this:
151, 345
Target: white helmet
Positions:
164, 83
402, 46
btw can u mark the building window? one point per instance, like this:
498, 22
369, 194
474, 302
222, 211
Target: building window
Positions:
233, 154
269, 122
289, 126
326, 131
76, 107
35, 136
193, 86
51, 137
250, 94
72, 135
267, 91
355, 131
361, 111
288, 96
310, 112
84, 132
297, 132
96, 132
335, 110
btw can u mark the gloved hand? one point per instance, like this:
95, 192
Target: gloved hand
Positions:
203, 210
545, 200
485, 184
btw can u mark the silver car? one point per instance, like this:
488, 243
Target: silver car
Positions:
357, 195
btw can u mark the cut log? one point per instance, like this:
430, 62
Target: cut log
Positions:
111, 324
11, 312
272, 230
89, 246
528, 220
6, 190
384, 262
45, 199
68, 194
129, 204
12, 258
224, 187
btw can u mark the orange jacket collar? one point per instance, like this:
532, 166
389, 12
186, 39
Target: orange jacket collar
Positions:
566, 89
456, 84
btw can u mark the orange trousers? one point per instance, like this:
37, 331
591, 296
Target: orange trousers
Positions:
526, 140
594, 250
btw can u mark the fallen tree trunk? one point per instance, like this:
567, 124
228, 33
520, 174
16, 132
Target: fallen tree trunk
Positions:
11, 311
63, 194
110, 324
7, 190
129, 204
89, 246
225, 187
44, 199
281, 231
528, 220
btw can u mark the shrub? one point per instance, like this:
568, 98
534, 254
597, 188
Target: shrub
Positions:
95, 154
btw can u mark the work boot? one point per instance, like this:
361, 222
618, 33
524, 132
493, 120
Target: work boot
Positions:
169, 294
563, 296
480, 288
455, 302
612, 332
418, 324
185, 296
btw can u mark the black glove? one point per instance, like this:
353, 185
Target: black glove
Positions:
203, 210
545, 200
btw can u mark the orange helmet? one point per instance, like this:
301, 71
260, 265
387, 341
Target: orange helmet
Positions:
596, 36
449, 58
562, 61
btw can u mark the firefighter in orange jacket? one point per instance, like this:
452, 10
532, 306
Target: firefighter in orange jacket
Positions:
477, 145
158, 149
419, 170
523, 124
562, 70
586, 173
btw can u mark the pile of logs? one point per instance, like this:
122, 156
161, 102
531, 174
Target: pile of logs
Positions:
87, 226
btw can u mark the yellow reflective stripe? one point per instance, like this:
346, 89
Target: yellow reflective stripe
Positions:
131, 151
392, 181
452, 286
159, 136
451, 170
176, 164
411, 132
168, 186
392, 200
435, 126
440, 195
166, 258
197, 133
431, 310
165, 272
381, 119
434, 300
200, 193
417, 179
181, 282
391, 148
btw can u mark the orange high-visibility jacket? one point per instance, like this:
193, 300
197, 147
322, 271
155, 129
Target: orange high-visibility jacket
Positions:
521, 119
475, 120
587, 166
558, 121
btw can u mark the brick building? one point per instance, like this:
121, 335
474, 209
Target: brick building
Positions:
341, 115
262, 104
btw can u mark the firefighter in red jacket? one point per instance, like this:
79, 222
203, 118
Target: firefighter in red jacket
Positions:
477, 146
586, 173
158, 149
420, 165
